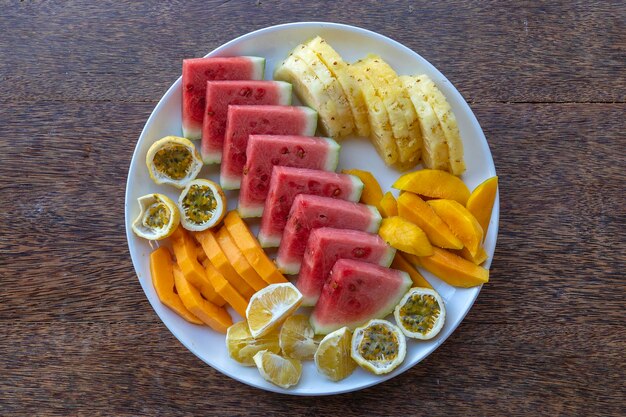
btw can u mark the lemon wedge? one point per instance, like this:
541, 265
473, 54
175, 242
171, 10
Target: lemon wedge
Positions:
270, 306
284, 372
420, 314
202, 205
173, 160
332, 357
297, 338
379, 346
158, 218
242, 346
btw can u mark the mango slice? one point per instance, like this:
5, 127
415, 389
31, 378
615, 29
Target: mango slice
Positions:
462, 223
218, 259
434, 183
213, 316
453, 269
239, 261
480, 257
416, 210
372, 193
186, 253
251, 249
405, 236
480, 202
161, 270
225, 290
388, 205
400, 263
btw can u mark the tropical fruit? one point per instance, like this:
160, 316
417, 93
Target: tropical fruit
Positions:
388, 205
434, 183
309, 212
202, 205
269, 307
196, 73
266, 151
287, 183
356, 292
462, 223
221, 94
158, 217
173, 160
242, 346
481, 201
225, 289
405, 236
297, 338
326, 245
402, 264
333, 358
379, 346
243, 121
238, 260
453, 269
421, 313
372, 192
284, 372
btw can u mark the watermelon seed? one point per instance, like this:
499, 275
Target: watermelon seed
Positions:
284, 150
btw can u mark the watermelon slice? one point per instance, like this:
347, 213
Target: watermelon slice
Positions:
197, 71
266, 151
310, 212
243, 121
287, 183
356, 292
326, 245
220, 94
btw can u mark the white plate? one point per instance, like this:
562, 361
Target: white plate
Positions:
274, 43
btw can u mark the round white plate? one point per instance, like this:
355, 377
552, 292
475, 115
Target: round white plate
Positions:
274, 43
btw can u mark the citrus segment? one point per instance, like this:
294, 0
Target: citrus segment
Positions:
297, 338
242, 346
269, 307
333, 358
284, 372
421, 313
379, 346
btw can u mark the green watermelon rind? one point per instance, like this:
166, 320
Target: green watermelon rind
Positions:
384, 311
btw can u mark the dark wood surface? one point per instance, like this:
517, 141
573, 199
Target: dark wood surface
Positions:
547, 82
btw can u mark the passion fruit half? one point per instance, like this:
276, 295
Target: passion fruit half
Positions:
202, 205
173, 160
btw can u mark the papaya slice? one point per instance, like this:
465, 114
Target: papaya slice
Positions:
212, 315
481, 201
453, 269
161, 270
251, 249
405, 236
239, 261
217, 257
400, 263
416, 210
388, 205
372, 193
434, 183
462, 223
225, 290
186, 254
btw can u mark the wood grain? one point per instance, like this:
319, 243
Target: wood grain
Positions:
545, 337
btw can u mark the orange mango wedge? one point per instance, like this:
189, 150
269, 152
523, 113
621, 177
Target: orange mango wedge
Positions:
434, 183
251, 249
225, 290
400, 263
219, 260
186, 254
212, 315
388, 205
405, 236
161, 270
453, 269
462, 223
481, 201
372, 193
480, 257
416, 210
239, 261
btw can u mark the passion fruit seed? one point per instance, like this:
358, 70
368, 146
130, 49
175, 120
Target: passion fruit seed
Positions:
173, 160
157, 216
420, 313
199, 203
379, 344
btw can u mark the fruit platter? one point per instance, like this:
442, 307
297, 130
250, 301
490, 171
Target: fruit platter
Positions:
312, 208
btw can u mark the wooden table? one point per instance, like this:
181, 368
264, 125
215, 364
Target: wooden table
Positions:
547, 83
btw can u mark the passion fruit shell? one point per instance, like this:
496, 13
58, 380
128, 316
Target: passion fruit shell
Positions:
158, 217
173, 160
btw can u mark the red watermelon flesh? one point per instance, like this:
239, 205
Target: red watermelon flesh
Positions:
326, 245
221, 94
243, 121
310, 212
356, 292
196, 73
287, 183
266, 151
